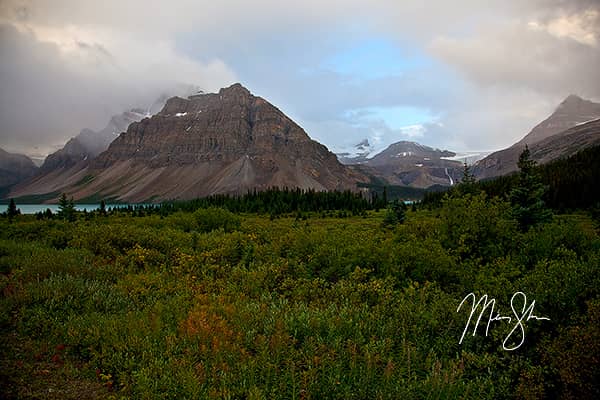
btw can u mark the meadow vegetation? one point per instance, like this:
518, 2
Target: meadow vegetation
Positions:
323, 304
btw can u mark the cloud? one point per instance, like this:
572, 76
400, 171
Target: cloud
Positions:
519, 56
581, 27
519, 69
57, 82
489, 72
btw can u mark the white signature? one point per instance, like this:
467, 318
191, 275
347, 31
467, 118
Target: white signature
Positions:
525, 315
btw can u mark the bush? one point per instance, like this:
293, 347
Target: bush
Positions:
395, 213
474, 226
209, 219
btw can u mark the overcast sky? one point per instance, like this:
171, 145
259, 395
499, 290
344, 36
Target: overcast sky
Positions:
462, 74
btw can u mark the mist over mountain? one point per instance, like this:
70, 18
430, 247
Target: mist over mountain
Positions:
15, 168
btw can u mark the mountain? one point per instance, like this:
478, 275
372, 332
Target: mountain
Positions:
408, 153
226, 142
572, 112
356, 154
412, 164
88, 144
15, 168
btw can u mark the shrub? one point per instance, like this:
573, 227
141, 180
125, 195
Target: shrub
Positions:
209, 219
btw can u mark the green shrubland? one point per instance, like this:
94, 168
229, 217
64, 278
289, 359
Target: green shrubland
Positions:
216, 304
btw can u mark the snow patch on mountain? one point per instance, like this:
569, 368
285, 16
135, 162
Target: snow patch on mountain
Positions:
469, 157
357, 153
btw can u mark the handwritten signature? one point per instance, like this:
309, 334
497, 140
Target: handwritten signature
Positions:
526, 314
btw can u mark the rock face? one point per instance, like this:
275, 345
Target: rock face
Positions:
15, 168
226, 142
572, 112
412, 164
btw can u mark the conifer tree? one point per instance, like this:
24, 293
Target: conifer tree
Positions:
467, 184
12, 210
468, 176
527, 196
66, 208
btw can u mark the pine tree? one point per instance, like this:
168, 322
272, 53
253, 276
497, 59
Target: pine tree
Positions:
12, 210
527, 196
468, 176
66, 208
48, 213
102, 207
467, 184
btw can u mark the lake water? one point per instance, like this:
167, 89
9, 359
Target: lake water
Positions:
35, 208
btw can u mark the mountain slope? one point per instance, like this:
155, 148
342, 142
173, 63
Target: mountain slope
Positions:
567, 143
226, 142
14, 168
571, 113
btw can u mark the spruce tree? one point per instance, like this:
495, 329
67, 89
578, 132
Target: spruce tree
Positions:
66, 208
527, 196
467, 184
12, 210
468, 176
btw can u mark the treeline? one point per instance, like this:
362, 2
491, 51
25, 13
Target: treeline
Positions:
283, 201
397, 192
272, 202
571, 183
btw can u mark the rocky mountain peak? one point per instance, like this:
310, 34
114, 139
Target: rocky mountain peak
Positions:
236, 88
570, 112
571, 100
220, 126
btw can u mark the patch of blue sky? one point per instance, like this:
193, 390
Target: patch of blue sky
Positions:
396, 117
375, 58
